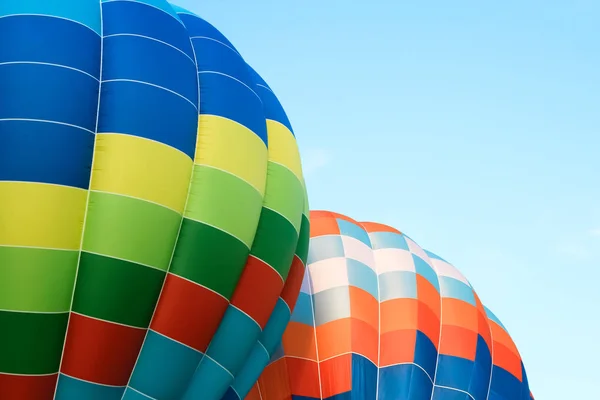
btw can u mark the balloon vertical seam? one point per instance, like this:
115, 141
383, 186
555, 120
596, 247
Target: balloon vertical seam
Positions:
87, 202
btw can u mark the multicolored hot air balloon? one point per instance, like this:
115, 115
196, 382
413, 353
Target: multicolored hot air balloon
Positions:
152, 204
378, 317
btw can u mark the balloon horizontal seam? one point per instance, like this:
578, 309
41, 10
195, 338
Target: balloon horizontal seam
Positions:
51, 65
135, 198
92, 382
456, 390
233, 78
197, 284
407, 363
34, 312
153, 85
347, 353
108, 321
216, 227
139, 392
266, 87
13, 374
121, 259
286, 167
246, 314
153, 39
218, 41
50, 16
47, 121
286, 218
144, 138
269, 265
146, 4
232, 174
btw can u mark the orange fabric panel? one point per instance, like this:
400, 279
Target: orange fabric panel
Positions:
323, 224
365, 340
428, 294
299, 341
334, 338
397, 347
364, 307
484, 328
303, 377
274, 381
399, 314
501, 336
458, 341
336, 375
506, 359
375, 227
255, 394
459, 313
428, 323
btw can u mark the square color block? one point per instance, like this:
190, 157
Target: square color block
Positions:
331, 305
334, 338
101, 352
188, 313
299, 341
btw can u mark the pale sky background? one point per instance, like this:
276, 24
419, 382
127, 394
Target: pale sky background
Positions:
474, 128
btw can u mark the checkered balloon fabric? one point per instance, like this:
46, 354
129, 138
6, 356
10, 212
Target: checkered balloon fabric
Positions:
378, 317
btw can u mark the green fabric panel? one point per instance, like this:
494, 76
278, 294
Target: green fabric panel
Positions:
225, 201
275, 242
303, 240
117, 291
36, 279
131, 229
209, 257
31, 343
284, 194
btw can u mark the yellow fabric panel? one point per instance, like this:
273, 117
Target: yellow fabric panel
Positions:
229, 146
141, 168
283, 148
41, 215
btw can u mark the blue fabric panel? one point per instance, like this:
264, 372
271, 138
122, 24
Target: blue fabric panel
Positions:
84, 12
449, 394
324, 247
425, 354
149, 112
164, 367
134, 58
197, 27
63, 43
273, 109
216, 94
303, 312
74, 389
354, 231
388, 240
45, 152
424, 269
480, 382
364, 378
404, 382
36, 91
363, 277
454, 372
211, 383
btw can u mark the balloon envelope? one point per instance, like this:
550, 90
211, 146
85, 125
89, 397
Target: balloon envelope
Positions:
152, 202
378, 317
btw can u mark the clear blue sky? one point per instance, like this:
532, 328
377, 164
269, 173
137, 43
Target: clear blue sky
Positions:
474, 128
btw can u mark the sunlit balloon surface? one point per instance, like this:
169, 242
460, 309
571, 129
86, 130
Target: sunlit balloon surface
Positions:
153, 217
378, 317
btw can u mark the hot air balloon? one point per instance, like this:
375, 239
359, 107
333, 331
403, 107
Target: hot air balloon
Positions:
378, 317
153, 213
